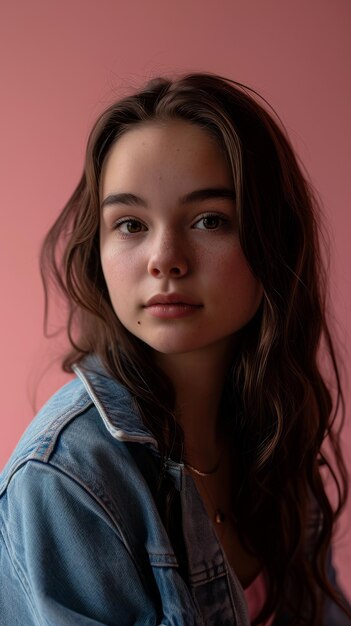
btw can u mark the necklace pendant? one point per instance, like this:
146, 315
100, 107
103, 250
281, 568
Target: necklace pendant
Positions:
219, 516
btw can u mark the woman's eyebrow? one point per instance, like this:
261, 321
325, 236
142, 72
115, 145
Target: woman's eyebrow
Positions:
208, 194
131, 199
123, 198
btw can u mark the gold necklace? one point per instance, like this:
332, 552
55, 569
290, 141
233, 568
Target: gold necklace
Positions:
219, 515
199, 473
212, 471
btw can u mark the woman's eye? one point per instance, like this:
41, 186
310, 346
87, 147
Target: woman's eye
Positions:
129, 226
210, 222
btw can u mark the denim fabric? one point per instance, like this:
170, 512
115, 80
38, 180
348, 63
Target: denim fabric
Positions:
81, 538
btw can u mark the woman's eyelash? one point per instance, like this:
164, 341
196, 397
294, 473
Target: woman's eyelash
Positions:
214, 221
133, 224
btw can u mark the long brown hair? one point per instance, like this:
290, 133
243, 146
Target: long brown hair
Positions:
275, 392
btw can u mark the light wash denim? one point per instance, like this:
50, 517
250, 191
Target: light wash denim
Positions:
81, 539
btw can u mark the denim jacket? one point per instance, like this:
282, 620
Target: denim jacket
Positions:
81, 538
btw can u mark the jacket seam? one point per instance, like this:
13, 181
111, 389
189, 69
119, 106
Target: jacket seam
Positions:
56, 434
120, 530
88, 490
20, 574
47, 434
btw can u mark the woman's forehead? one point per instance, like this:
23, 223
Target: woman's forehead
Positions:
171, 153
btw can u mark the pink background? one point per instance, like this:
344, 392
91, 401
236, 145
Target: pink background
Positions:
63, 61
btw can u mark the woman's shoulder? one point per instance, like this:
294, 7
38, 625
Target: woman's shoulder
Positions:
71, 453
39, 439
82, 430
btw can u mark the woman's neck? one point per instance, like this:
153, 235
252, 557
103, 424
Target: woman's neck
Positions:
198, 381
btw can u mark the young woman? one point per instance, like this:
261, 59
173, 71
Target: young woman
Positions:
179, 478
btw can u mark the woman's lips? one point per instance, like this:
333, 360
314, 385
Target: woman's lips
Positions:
171, 306
172, 310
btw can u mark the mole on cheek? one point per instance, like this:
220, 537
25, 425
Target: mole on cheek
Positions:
139, 322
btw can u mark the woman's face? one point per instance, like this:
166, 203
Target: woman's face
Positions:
170, 251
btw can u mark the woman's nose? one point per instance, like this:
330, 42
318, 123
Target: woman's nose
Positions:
168, 258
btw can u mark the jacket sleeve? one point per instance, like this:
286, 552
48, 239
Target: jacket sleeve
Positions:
62, 561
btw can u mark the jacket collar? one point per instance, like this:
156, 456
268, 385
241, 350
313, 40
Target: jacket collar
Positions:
114, 403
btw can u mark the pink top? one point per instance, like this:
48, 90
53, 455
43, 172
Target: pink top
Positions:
255, 596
